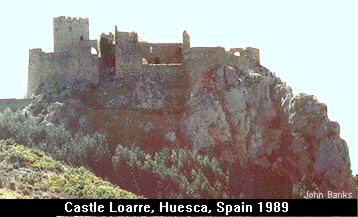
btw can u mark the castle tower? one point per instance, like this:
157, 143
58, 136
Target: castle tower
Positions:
127, 42
71, 59
71, 35
128, 55
107, 59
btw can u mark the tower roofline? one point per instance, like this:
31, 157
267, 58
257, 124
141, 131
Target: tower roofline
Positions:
64, 18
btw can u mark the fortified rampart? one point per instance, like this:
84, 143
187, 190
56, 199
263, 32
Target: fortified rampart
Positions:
176, 66
242, 58
71, 58
199, 61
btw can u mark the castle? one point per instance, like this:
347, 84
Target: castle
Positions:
122, 55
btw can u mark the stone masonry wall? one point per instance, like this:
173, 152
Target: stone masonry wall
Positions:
176, 66
153, 86
48, 67
198, 62
71, 58
166, 53
246, 58
69, 33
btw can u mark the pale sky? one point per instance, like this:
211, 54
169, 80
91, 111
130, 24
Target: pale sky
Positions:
311, 45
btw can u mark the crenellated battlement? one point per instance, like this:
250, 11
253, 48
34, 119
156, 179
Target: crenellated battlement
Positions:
71, 19
71, 34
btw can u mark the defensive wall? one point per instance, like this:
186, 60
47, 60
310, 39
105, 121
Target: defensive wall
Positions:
178, 68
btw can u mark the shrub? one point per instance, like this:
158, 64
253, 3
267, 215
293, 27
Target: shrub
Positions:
78, 149
46, 178
170, 173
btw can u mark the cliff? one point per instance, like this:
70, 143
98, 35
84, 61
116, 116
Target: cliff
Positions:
271, 143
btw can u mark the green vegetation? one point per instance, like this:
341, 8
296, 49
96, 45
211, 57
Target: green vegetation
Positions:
165, 173
29, 173
54, 140
170, 173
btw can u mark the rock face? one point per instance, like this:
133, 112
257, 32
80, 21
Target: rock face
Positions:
249, 119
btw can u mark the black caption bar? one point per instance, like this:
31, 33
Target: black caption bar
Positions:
176, 207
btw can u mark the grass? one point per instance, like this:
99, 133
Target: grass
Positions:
29, 173
9, 194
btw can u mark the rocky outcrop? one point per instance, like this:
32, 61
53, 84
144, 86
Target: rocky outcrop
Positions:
249, 119
320, 151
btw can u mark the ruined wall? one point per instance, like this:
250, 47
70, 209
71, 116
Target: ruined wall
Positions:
155, 72
41, 68
170, 74
198, 62
128, 55
186, 40
49, 67
162, 53
154, 87
13, 104
123, 56
107, 57
71, 59
127, 43
248, 57
127, 65
146, 85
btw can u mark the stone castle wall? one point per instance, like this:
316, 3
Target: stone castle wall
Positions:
168, 76
177, 68
48, 67
70, 34
107, 65
152, 87
165, 53
198, 61
241, 58
71, 58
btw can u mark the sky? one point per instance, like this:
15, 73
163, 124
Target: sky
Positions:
311, 45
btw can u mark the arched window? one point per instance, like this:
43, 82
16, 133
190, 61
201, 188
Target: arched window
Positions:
237, 53
94, 51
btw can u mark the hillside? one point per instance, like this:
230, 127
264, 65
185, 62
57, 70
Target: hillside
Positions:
173, 121
268, 142
29, 173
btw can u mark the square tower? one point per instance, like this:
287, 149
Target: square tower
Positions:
71, 35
